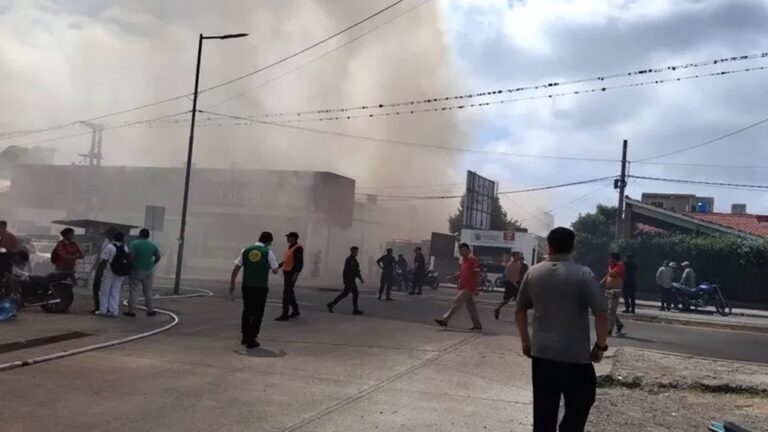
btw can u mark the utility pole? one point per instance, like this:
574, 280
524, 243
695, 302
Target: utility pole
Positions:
187, 172
94, 155
621, 184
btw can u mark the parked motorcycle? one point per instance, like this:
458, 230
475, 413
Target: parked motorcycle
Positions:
432, 280
52, 292
706, 294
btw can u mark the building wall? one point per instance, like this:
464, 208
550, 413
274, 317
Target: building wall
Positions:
678, 203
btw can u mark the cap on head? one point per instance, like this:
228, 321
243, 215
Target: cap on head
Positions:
686, 264
292, 235
673, 264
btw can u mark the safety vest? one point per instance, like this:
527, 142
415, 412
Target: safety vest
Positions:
255, 266
288, 261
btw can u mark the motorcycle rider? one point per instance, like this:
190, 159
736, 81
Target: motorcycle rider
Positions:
419, 271
688, 279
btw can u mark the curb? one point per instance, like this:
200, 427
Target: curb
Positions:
696, 323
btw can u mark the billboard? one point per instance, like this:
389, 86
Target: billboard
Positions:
478, 201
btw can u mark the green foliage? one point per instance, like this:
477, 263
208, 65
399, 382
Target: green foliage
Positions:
738, 265
594, 236
500, 220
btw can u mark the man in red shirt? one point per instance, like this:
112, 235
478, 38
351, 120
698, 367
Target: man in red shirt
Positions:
7, 239
468, 276
67, 252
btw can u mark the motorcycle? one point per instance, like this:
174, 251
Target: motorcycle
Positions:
52, 292
706, 294
432, 279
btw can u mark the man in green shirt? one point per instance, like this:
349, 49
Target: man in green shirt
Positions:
144, 256
256, 261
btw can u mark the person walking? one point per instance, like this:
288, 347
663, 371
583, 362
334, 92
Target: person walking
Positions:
613, 282
256, 261
561, 294
387, 265
115, 265
66, 253
419, 272
468, 277
514, 273
664, 277
630, 284
293, 263
350, 275
144, 257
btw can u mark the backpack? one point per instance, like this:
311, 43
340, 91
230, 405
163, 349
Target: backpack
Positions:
55, 254
121, 263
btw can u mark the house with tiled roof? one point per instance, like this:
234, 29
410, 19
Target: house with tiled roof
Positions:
650, 218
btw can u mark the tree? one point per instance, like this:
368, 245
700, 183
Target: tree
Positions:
594, 236
500, 220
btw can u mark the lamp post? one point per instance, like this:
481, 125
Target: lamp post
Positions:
184, 205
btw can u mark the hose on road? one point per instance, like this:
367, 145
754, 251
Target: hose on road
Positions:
68, 353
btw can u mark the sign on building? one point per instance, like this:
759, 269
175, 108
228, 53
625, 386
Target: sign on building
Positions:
154, 218
478, 202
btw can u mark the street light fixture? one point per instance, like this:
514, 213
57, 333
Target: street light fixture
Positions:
180, 253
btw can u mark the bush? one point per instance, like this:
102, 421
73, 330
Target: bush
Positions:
739, 266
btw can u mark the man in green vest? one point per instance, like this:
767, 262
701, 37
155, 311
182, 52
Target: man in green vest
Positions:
256, 261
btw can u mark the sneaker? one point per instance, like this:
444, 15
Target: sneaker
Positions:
330, 307
441, 322
496, 313
151, 313
476, 329
252, 344
626, 311
130, 314
295, 314
390, 299
282, 318
357, 312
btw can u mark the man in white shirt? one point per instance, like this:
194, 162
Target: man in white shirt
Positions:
98, 275
115, 266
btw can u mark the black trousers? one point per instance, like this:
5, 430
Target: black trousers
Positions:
96, 289
577, 385
418, 282
629, 299
386, 283
254, 302
349, 288
289, 295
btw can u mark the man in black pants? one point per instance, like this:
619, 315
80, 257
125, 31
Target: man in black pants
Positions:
419, 272
293, 263
387, 265
351, 275
256, 261
561, 293
630, 284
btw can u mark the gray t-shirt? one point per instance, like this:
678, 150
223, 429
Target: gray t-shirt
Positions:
561, 293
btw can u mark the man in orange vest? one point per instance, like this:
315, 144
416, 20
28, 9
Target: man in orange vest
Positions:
293, 263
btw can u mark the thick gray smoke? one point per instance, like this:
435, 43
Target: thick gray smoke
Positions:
93, 57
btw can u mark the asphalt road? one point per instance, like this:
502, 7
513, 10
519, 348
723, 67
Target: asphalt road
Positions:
680, 339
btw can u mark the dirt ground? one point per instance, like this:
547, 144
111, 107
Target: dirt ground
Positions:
637, 410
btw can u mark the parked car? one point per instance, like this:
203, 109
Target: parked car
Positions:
40, 256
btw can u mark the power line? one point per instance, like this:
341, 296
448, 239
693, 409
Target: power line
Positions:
495, 92
553, 209
713, 140
214, 87
529, 98
511, 192
118, 126
409, 143
752, 187
702, 165
301, 66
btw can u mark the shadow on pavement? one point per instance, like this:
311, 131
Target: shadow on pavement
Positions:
261, 353
634, 338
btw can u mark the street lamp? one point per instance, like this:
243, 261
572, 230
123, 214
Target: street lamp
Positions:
180, 254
